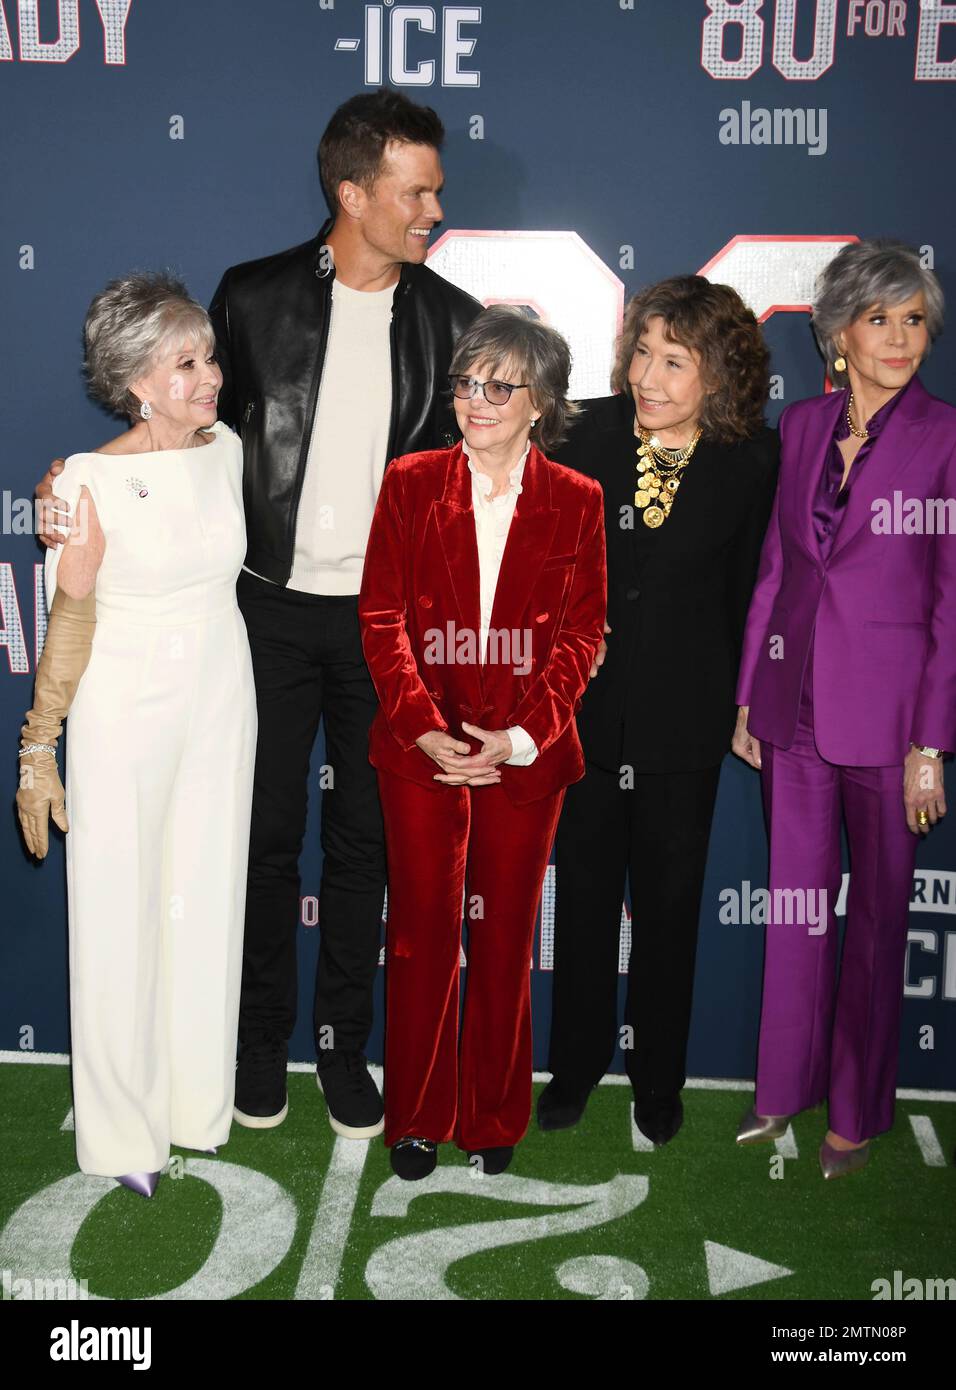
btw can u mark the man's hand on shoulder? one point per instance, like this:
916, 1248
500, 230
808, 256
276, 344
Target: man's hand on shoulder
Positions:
51, 511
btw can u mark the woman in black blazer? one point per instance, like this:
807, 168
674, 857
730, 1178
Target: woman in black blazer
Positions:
688, 470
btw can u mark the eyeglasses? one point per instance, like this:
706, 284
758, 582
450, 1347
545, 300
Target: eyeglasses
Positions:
494, 392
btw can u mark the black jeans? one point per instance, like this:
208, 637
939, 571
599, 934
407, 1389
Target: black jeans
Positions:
657, 835
308, 663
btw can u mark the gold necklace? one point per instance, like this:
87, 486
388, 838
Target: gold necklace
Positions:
659, 472
864, 433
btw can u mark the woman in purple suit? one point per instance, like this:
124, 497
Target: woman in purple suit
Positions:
847, 695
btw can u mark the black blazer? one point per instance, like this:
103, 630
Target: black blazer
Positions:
677, 596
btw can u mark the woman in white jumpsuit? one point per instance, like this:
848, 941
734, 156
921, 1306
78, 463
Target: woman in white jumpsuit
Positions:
159, 762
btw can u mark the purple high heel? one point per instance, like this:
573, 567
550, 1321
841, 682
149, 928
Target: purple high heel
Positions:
143, 1183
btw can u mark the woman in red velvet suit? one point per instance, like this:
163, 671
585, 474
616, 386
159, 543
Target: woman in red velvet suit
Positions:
482, 608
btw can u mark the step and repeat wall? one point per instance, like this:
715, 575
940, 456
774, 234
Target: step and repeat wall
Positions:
593, 147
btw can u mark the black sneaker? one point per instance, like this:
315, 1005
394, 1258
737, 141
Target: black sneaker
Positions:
262, 1101
413, 1159
354, 1104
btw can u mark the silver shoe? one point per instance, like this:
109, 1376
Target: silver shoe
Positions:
754, 1128
836, 1163
143, 1183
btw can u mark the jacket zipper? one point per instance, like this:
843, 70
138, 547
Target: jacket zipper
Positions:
393, 353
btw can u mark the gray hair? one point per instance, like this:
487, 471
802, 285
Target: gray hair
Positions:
128, 325
503, 337
876, 271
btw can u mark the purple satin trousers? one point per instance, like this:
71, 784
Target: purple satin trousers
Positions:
821, 1039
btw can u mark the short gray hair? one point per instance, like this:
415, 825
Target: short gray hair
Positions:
127, 326
504, 337
864, 274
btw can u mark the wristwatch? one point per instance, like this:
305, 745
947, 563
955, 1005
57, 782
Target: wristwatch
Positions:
928, 752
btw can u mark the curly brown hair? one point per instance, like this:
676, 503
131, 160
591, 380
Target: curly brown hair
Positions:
714, 322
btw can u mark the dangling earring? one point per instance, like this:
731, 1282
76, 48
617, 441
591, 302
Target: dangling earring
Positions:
839, 364
146, 410
533, 423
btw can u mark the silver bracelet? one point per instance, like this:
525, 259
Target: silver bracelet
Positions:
37, 748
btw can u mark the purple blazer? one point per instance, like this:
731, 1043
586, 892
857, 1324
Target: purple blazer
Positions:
884, 605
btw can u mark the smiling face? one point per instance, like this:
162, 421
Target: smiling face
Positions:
667, 386
400, 210
183, 385
503, 429
885, 346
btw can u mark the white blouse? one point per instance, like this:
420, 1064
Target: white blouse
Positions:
493, 517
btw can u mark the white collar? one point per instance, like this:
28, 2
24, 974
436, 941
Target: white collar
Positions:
486, 483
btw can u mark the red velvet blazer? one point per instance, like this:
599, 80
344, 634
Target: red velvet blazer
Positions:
420, 601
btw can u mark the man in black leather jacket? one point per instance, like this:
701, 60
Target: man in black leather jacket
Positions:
272, 318
355, 311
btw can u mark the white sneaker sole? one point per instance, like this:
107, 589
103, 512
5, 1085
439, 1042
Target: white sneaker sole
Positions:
348, 1131
260, 1121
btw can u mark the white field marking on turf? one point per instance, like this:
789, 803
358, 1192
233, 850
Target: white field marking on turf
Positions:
639, 1142
786, 1145
605, 1278
729, 1269
693, 1083
50, 1059
926, 1137
414, 1267
68, 1126
256, 1230
333, 1219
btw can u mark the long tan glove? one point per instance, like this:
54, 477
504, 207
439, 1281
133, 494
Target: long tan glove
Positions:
65, 656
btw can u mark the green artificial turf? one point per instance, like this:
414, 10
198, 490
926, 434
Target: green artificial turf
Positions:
291, 1212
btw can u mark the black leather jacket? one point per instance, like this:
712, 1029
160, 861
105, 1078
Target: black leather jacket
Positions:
271, 318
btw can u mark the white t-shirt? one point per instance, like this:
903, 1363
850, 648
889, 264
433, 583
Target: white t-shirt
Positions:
349, 441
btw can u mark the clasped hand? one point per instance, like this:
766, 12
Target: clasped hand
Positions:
459, 766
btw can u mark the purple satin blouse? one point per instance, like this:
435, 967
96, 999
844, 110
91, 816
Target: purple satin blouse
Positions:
830, 501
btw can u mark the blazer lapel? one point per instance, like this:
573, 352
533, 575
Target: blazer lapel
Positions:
805, 479
455, 519
904, 434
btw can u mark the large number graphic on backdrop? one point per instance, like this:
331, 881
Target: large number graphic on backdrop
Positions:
559, 278
733, 37
556, 276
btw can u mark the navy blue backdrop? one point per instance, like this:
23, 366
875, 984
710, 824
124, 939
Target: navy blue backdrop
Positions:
655, 137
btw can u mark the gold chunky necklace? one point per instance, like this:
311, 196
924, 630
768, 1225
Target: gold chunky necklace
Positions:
864, 433
659, 474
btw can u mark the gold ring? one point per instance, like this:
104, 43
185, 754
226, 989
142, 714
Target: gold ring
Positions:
922, 818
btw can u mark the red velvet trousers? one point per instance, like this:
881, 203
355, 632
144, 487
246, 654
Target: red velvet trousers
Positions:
440, 844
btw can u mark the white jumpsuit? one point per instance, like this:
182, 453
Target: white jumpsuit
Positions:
160, 752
